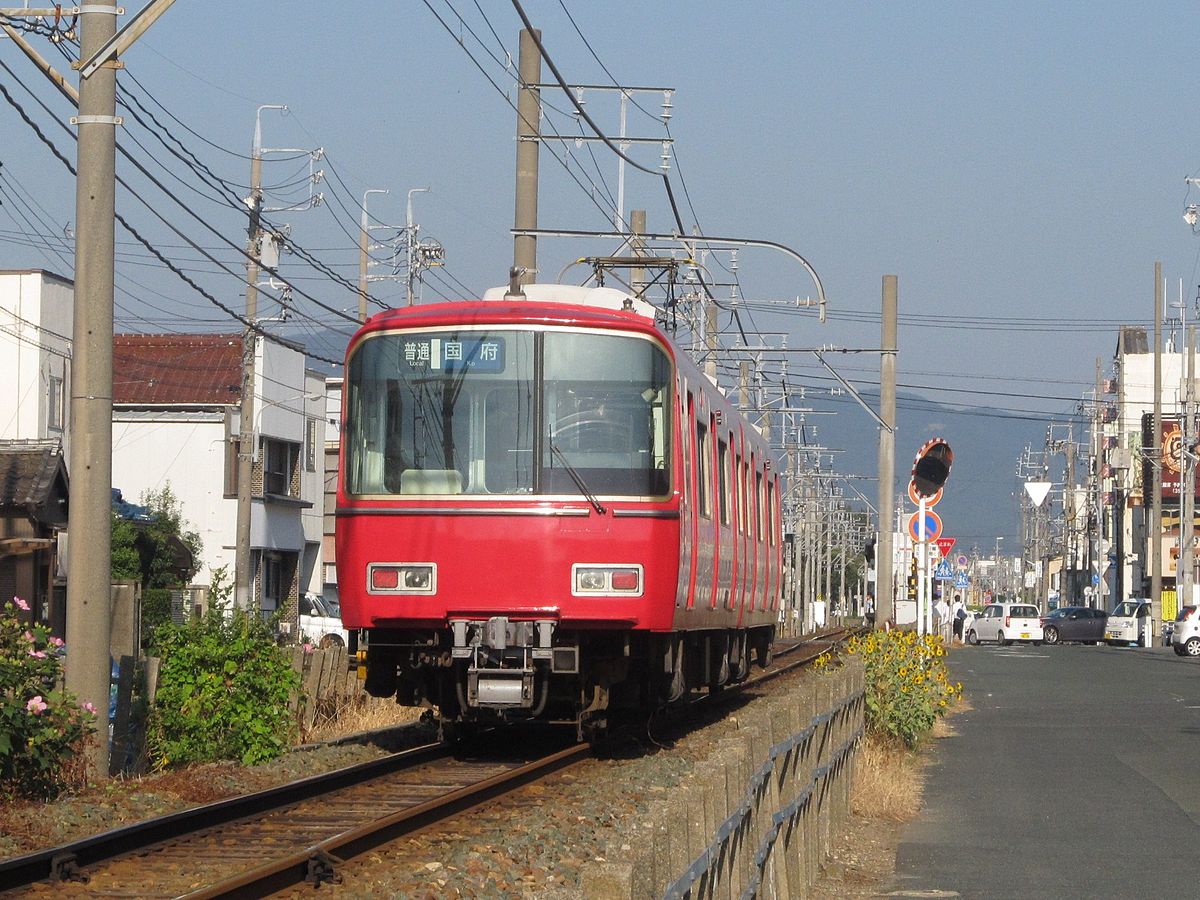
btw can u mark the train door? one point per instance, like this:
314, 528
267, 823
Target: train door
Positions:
706, 544
724, 572
760, 557
689, 526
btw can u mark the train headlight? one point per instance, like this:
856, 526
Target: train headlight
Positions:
589, 580
402, 578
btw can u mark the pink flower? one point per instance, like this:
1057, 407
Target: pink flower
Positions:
21, 604
37, 705
29, 636
38, 654
308, 648
56, 642
88, 707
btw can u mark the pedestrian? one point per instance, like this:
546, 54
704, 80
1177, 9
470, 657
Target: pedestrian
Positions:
942, 610
958, 612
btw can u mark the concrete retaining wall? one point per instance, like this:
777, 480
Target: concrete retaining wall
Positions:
756, 817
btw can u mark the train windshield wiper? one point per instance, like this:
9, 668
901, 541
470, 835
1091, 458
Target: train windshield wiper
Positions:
577, 478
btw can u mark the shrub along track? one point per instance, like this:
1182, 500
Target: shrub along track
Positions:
300, 832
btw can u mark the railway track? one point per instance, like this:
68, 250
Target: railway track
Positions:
265, 842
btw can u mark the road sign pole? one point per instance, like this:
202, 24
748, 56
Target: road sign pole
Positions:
922, 553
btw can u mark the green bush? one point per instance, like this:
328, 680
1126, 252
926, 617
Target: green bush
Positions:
223, 689
43, 731
156, 612
908, 685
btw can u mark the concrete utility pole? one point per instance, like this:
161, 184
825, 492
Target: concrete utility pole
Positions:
89, 572
887, 453
243, 587
364, 248
411, 240
1184, 572
1070, 572
1154, 526
1097, 543
529, 115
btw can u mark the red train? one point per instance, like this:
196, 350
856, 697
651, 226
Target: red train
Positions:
546, 510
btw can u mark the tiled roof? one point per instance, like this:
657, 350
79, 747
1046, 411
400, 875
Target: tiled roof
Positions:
27, 472
201, 369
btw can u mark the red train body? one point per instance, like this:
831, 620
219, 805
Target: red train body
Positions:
546, 510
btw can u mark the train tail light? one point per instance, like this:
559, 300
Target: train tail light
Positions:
402, 578
607, 581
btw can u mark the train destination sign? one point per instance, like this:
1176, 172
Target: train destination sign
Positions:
454, 354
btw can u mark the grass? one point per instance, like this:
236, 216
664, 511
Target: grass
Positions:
887, 780
362, 713
888, 777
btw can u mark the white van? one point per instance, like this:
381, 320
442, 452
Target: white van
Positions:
321, 622
1125, 621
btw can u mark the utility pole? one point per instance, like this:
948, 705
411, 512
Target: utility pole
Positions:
1154, 526
1097, 543
887, 453
529, 113
89, 563
1184, 571
243, 582
637, 226
1070, 569
364, 248
411, 240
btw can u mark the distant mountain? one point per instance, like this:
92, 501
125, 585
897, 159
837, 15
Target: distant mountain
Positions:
980, 501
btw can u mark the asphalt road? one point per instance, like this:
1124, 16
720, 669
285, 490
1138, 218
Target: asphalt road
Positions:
1076, 774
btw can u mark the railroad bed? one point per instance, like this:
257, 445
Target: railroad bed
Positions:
304, 831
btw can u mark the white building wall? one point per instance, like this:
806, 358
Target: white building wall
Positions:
153, 449
36, 315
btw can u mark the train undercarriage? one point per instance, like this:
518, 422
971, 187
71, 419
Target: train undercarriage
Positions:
488, 671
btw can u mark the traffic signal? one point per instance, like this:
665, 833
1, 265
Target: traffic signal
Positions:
869, 552
912, 581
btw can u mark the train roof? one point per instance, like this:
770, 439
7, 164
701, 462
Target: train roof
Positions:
577, 295
542, 303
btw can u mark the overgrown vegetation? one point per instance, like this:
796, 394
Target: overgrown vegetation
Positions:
907, 683
149, 552
223, 688
43, 730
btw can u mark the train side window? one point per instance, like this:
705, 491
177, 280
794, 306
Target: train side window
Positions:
743, 497
758, 502
703, 470
771, 511
723, 480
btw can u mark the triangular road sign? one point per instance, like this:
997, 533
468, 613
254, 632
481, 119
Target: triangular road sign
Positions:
1037, 491
945, 545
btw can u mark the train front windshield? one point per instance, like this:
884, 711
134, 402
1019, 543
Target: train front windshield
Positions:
466, 412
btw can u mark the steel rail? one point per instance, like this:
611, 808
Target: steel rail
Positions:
65, 861
317, 864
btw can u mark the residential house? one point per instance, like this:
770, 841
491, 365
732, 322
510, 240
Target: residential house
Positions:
36, 309
176, 421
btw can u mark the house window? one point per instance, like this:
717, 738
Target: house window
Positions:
310, 445
280, 459
54, 404
272, 581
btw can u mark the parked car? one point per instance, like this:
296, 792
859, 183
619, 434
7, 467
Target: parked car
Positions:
1185, 636
1074, 623
321, 622
1125, 621
1005, 623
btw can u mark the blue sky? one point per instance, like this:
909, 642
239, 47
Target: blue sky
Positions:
1009, 162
